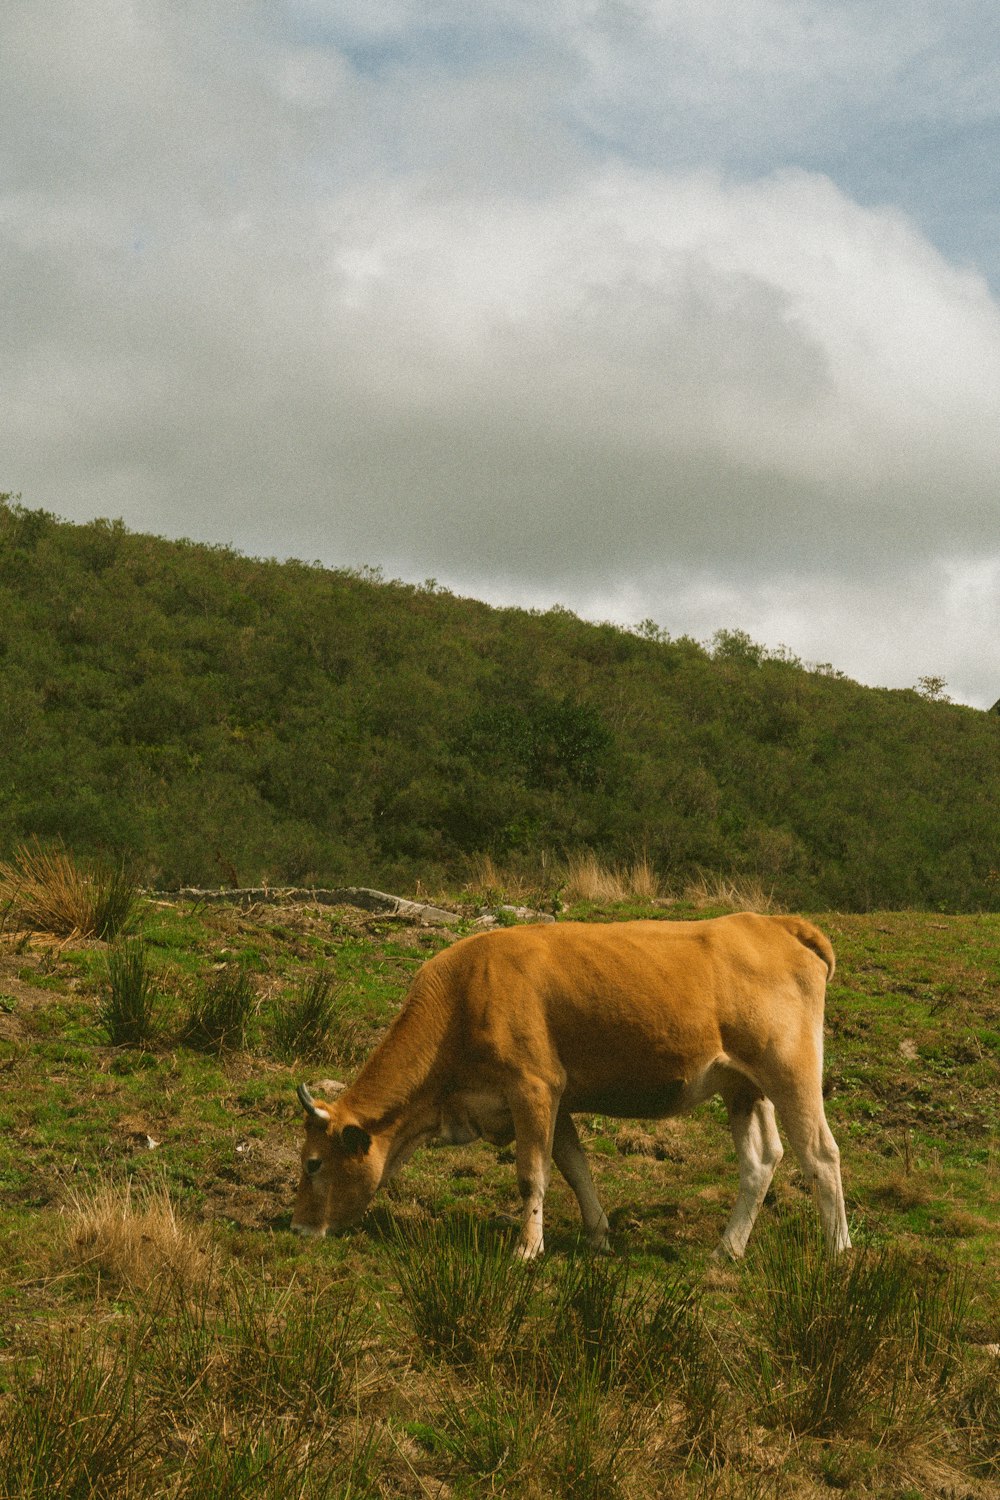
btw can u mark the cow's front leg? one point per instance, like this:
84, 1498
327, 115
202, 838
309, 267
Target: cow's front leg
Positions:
534, 1109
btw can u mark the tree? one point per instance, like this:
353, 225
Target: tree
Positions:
933, 688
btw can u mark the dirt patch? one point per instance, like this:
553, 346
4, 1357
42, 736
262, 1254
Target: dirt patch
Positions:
19, 997
256, 1189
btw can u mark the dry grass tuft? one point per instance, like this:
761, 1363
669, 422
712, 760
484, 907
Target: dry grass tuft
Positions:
903, 1191
490, 884
581, 878
52, 892
135, 1237
736, 892
588, 880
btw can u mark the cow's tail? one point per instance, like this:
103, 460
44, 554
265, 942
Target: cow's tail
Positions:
811, 937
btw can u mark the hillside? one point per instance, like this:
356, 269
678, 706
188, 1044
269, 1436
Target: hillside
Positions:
214, 716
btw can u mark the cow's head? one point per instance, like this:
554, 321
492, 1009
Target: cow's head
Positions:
341, 1168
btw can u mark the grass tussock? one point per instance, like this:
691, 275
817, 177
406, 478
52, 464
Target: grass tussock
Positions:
550, 885
588, 880
734, 892
74, 1423
465, 1295
307, 1023
977, 1413
490, 884
223, 1011
856, 1342
127, 1012
133, 1237
52, 891
562, 1362
230, 1387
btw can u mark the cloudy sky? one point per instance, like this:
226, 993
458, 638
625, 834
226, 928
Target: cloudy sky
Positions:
679, 309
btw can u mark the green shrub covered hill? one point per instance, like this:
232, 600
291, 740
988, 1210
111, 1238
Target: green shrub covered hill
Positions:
217, 717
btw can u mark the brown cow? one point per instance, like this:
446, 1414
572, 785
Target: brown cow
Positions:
507, 1034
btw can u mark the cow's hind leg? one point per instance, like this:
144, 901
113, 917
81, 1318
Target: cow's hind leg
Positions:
570, 1159
758, 1147
800, 1110
534, 1108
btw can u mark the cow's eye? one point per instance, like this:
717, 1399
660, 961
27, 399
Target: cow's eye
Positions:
313, 1165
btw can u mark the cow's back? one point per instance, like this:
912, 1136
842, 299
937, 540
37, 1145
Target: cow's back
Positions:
630, 1009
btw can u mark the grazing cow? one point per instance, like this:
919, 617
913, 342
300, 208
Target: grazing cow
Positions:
507, 1034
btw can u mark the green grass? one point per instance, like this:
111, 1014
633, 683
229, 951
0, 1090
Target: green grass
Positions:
465, 1295
414, 1353
127, 1012
223, 1011
838, 1341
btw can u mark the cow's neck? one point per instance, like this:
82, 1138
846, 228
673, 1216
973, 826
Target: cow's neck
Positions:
397, 1084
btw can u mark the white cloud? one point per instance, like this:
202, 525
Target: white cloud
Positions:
374, 284
772, 335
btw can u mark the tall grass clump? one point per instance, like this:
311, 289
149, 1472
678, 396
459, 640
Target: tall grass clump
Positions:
223, 1010
244, 1357
285, 1349
488, 883
304, 1024
8, 908
493, 1430
54, 892
605, 1317
537, 884
465, 1295
589, 1438
246, 1460
134, 1236
849, 1339
128, 1008
74, 1423
588, 880
596, 1308
978, 1415
734, 892
650, 1343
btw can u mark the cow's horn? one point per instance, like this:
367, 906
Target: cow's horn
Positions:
308, 1103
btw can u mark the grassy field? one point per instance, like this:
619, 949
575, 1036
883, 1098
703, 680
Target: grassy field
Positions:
163, 1334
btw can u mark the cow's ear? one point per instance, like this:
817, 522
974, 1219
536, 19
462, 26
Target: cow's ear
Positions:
355, 1140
